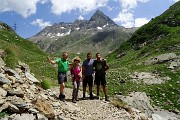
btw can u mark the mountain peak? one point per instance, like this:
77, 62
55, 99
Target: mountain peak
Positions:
101, 19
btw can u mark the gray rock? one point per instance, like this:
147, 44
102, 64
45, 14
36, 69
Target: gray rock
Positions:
160, 58
24, 67
11, 72
148, 78
165, 115
4, 106
18, 102
2, 100
4, 80
17, 93
22, 117
158, 117
31, 78
2, 63
3, 92
41, 117
13, 108
33, 111
138, 100
175, 65
2, 53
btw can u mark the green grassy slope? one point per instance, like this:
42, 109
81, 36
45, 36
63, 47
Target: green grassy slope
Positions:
18, 49
160, 35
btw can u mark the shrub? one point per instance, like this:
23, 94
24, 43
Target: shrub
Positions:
46, 84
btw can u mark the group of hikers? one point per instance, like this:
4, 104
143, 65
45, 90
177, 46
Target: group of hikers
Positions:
82, 72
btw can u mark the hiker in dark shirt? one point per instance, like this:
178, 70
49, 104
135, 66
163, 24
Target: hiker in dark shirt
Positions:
100, 67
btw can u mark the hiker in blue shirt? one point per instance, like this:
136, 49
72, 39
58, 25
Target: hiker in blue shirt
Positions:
87, 72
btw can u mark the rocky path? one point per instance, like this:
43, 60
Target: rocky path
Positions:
94, 109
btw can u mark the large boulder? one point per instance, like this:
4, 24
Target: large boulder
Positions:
138, 100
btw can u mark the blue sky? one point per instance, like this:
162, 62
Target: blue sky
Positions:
31, 16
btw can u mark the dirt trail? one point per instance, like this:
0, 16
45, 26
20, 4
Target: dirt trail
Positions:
93, 109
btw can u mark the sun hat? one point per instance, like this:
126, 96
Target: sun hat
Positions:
77, 59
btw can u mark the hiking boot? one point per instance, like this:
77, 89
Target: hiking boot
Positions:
106, 98
97, 97
73, 100
84, 96
91, 96
77, 99
62, 98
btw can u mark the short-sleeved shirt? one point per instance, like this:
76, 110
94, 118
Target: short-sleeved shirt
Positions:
100, 67
88, 66
62, 65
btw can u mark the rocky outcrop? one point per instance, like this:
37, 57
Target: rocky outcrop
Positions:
148, 78
171, 58
141, 101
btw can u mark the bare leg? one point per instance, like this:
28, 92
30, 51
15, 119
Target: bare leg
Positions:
98, 87
84, 91
105, 92
62, 88
104, 89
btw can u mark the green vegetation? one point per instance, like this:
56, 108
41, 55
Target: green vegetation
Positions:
160, 35
3, 114
46, 84
18, 49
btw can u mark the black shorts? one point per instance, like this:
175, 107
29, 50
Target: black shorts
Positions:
62, 77
88, 80
100, 79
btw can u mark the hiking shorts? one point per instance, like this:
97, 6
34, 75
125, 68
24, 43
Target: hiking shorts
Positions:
88, 80
100, 79
62, 77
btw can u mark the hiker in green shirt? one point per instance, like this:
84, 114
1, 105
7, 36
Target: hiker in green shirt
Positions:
63, 65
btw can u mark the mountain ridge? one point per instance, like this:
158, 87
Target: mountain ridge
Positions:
60, 36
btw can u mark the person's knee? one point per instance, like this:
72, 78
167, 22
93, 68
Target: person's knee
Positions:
62, 85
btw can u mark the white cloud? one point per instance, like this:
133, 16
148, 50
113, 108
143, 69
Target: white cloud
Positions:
174, 0
61, 6
22, 7
141, 21
41, 23
126, 17
80, 17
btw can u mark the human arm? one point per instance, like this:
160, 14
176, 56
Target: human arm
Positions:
70, 66
107, 66
82, 71
51, 61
